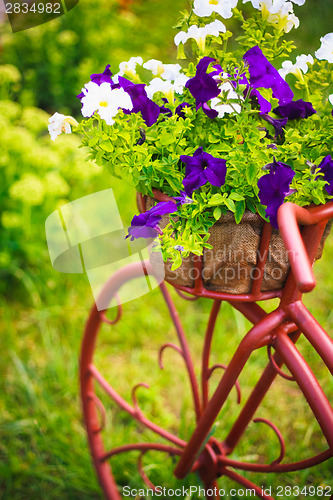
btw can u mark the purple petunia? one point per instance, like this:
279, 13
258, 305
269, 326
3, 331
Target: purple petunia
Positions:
183, 199
149, 109
264, 75
141, 103
203, 87
145, 225
163, 109
264, 105
295, 109
100, 78
178, 111
274, 187
278, 124
326, 167
201, 168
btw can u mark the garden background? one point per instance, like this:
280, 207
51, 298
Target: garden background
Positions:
43, 448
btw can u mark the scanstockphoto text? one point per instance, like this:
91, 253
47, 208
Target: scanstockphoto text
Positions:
280, 491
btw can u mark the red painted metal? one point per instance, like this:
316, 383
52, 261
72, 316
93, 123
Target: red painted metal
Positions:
278, 330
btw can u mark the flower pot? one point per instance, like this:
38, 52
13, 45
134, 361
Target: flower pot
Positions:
233, 263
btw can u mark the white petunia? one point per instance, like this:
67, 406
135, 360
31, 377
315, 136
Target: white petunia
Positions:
300, 66
166, 71
205, 8
277, 12
167, 87
200, 34
330, 98
104, 100
59, 123
280, 13
128, 68
326, 49
256, 3
223, 107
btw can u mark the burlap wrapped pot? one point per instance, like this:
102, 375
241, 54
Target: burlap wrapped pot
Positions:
231, 265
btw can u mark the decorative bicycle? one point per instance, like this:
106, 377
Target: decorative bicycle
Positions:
278, 330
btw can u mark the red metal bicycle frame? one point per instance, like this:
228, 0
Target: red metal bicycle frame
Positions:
279, 330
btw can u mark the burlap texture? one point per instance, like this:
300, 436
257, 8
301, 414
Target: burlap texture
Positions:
231, 265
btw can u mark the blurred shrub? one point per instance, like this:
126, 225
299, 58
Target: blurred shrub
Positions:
56, 59
37, 176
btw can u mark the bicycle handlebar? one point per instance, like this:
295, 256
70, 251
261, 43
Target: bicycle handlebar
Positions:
289, 218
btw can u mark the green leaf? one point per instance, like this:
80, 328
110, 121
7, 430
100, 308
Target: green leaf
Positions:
239, 211
261, 211
251, 172
106, 146
217, 213
93, 141
236, 197
126, 136
167, 139
230, 204
251, 206
216, 199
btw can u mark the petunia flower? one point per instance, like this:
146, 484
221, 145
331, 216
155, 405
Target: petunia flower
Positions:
105, 100
165, 110
180, 107
263, 74
167, 87
202, 168
100, 78
278, 12
180, 248
145, 225
277, 123
204, 8
200, 34
226, 107
330, 98
274, 187
59, 123
183, 199
295, 109
104, 77
165, 71
298, 69
141, 103
256, 3
178, 111
326, 49
204, 87
128, 68
326, 167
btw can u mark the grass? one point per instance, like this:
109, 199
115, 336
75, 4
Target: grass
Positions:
43, 448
